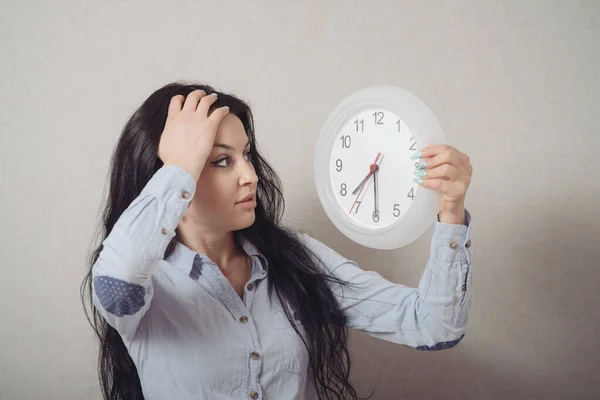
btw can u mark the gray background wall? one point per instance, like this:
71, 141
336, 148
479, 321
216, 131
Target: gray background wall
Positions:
514, 84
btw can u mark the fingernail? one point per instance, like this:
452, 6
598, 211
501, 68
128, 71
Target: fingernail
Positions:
421, 165
420, 173
227, 107
418, 180
214, 94
417, 155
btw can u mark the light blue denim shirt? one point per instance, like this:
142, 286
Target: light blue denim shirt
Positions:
192, 337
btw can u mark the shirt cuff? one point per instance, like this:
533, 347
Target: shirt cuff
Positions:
171, 181
452, 242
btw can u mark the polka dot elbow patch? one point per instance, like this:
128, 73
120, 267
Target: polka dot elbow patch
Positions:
441, 345
119, 297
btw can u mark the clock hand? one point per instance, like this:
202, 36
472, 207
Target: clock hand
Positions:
362, 182
375, 174
372, 168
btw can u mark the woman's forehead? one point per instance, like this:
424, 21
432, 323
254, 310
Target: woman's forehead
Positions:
231, 133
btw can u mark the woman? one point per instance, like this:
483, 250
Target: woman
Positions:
198, 292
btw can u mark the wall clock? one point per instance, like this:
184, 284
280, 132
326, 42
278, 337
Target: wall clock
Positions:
364, 167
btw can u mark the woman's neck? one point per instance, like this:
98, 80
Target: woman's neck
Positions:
221, 248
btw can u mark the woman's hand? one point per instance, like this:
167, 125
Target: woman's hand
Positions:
189, 133
448, 170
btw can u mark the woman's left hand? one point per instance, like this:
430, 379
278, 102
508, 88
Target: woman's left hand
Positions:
448, 170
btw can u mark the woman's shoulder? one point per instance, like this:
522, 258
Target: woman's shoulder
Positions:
318, 247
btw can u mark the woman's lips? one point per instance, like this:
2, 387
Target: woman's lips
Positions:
248, 203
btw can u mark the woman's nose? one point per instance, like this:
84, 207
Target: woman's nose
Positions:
248, 175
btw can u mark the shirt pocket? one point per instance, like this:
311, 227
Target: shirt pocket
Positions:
293, 354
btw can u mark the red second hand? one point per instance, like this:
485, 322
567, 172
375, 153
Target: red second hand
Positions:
372, 168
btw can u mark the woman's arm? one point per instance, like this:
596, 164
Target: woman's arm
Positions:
430, 317
122, 275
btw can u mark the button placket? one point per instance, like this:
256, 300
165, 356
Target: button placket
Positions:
468, 250
255, 368
242, 318
463, 288
252, 285
185, 195
250, 291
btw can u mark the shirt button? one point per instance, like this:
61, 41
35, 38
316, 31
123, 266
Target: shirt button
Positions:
164, 231
453, 245
468, 244
253, 395
250, 286
255, 355
243, 319
185, 195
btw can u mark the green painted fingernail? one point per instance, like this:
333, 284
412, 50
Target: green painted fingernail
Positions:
418, 180
417, 155
420, 173
421, 165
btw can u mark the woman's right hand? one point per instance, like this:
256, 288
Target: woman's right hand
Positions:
189, 132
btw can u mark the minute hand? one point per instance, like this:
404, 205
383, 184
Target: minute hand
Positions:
375, 174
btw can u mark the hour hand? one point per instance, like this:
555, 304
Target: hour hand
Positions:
362, 183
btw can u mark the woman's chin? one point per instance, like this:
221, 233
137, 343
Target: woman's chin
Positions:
244, 221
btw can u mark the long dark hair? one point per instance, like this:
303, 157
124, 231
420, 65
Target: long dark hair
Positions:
295, 275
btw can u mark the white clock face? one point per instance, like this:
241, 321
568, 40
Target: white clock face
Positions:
374, 139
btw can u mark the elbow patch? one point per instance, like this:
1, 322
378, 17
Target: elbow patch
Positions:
441, 346
119, 297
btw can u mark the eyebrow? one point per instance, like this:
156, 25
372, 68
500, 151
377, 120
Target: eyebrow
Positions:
228, 147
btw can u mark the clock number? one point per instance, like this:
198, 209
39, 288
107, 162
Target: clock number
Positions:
396, 210
339, 164
376, 216
346, 141
361, 123
411, 194
343, 191
378, 117
357, 205
398, 123
412, 147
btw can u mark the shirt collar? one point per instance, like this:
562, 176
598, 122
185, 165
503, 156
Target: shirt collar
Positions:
183, 257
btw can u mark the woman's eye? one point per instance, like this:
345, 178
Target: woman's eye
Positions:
223, 162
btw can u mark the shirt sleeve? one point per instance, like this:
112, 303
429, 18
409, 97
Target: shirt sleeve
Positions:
430, 317
122, 274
